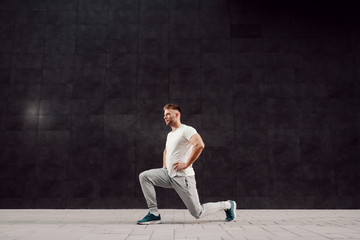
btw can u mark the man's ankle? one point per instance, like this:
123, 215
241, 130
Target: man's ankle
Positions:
155, 213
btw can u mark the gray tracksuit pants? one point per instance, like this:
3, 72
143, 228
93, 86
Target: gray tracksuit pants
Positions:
185, 188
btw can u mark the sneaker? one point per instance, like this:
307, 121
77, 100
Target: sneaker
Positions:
150, 219
231, 212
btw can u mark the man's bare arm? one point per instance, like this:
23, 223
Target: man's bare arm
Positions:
198, 146
164, 159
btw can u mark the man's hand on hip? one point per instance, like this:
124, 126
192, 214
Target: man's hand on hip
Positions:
178, 166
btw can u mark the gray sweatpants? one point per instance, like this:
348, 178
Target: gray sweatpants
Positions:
185, 188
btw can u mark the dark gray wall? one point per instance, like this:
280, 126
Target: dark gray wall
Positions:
273, 89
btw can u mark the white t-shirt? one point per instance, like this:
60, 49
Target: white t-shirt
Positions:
178, 149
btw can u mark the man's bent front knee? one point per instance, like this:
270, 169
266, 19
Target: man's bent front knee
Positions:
143, 176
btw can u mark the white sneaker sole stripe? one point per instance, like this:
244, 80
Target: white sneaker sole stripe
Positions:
149, 222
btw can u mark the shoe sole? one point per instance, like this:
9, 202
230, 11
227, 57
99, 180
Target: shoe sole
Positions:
150, 222
234, 212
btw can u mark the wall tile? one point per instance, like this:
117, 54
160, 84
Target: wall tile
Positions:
6, 46
216, 45
85, 155
278, 45
58, 61
61, 17
55, 106
21, 122
184, 76
19, 138
52, 155
91, 31
51, 189
248, 75
125, 45
246, 31
60, 46
153, 75
57, 138
120, 106
316, 145
90, 75
63, 5
58, 75
87, 106
121, 60
241, 60
123, 4
119, 138
153, 60
119, 122
84, 189
187, 31
215, 30
186, 4
254, 153
29, 46
90, 60
88, 121
5, 76
181, 16
153, 91
184, 60
153, 46
157, 4
24, 91
91, 46
23, 106
153, 16
121, 75
88, 91
30, 31
54, 122
56, 91
184, 91
93, 4
27, 61
7, 16
284, 146
61, 31
92, 17
288, 187
31, 17
7, 31
122, 16
19, 155
85, 138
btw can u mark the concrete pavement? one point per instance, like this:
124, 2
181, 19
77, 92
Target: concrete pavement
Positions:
178, 225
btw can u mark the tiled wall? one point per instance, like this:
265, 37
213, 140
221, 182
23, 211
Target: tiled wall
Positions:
273, 88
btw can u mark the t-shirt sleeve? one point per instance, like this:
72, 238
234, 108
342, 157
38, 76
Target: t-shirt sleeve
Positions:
189, 132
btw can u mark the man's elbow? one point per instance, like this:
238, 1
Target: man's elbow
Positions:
201, 146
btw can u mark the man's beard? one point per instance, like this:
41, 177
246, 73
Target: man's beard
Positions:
169, 123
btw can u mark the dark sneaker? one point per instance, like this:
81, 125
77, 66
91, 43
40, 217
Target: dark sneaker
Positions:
231, 212
150, 219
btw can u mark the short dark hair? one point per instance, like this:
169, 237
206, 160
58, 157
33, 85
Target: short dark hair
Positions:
172, 106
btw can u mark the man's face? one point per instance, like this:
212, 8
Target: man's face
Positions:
171, 116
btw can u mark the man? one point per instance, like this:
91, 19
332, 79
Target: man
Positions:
183, 146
